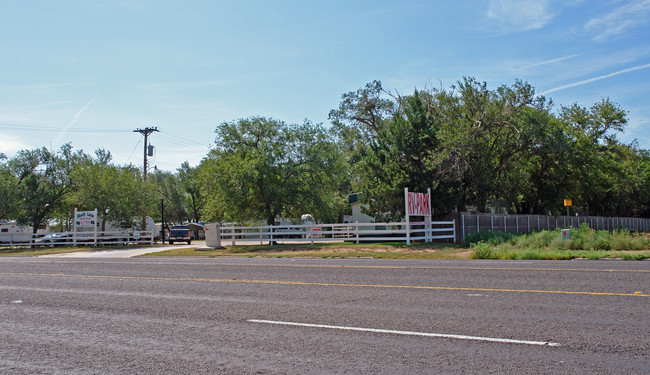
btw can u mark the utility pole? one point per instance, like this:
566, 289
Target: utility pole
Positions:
145, 132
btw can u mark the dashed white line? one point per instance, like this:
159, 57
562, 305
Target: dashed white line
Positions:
408, 333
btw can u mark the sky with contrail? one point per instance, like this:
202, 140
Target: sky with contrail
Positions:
89, 73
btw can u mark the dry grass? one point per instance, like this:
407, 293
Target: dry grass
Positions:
332, 250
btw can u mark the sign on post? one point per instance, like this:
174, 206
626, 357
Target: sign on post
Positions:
85, 219
417, 204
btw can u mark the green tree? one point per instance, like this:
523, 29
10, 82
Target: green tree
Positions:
170, 189
119, 193
456, 142
596, 155
43, 179
262, 169
189, 179
8, 190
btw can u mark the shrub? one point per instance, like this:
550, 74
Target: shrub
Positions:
482, 250
558, 243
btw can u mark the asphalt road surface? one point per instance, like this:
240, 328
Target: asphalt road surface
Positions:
322, 316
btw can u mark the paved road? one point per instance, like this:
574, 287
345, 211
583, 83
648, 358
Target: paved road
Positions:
322, 316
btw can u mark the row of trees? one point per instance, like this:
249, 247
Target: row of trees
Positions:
41, 185
476, 148
501, 149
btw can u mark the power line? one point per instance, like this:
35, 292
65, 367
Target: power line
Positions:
184, 143
132, 151
45, 128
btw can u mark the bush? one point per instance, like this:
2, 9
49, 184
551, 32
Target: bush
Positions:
482, 250
584, 243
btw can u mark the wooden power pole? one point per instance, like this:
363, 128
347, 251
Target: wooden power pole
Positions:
145, 132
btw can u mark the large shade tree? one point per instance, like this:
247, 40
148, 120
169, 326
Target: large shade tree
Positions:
264, 169
119, 193
40, 179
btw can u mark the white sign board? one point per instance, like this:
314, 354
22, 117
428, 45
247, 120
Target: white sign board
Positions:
85, 218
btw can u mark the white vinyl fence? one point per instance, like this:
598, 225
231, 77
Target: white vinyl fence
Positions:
351, 232
78, 239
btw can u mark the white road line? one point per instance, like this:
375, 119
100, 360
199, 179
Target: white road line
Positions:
408, 333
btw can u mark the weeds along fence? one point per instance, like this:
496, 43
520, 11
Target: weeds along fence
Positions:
91, 239
470, 223
348, 232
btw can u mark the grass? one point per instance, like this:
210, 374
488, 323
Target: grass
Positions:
387, 250
584, 243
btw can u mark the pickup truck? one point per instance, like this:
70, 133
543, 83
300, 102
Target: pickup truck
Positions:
180, 233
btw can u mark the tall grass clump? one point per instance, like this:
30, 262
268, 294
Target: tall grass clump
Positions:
488, 236
584, 242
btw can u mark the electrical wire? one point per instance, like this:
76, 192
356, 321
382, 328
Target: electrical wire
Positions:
45, 128
178, 141
136, 146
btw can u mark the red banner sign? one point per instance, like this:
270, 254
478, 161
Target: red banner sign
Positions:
418, 204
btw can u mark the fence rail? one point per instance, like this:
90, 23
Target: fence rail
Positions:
352, 232
78, 239
471, 223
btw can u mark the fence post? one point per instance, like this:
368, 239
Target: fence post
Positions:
311, 234
517, 223
492, 221
528, 220
462, 223
356, 231
478, 225
453, 226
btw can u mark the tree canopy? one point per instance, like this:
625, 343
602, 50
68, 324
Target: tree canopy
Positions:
263, 169
505, 149
483, 149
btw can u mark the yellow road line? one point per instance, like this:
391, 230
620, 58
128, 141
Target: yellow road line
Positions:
306, 283
352, 267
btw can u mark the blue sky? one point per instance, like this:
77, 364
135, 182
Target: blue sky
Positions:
91, 72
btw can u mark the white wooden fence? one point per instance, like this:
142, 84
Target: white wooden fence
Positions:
351, 232
106, 238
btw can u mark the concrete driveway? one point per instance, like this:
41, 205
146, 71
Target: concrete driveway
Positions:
122, 253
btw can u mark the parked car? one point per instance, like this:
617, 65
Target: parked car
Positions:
54, 239
180, 233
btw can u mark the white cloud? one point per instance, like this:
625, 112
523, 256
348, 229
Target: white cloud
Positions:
10, 145
619, 20
520, 15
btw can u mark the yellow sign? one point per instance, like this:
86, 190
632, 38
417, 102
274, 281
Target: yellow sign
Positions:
567, 202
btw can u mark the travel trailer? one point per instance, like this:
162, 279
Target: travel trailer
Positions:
11, 232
